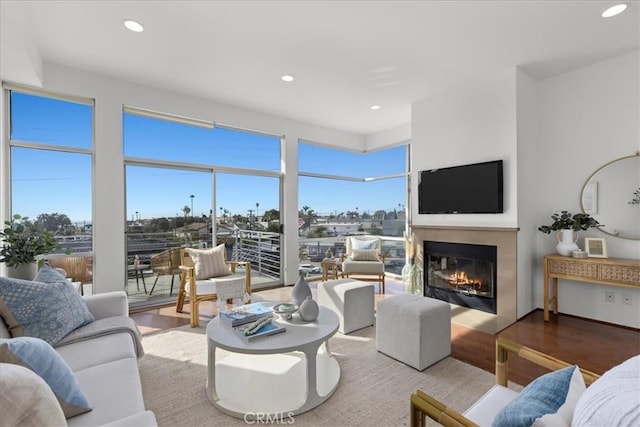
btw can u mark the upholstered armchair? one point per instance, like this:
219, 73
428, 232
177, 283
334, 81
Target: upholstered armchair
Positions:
206, 275
363, 258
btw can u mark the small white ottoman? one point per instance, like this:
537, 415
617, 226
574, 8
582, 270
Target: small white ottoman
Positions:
352, 300
413, 329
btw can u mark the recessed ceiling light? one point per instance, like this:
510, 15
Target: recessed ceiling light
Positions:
287, 78
375, 107
614, 10
133, 25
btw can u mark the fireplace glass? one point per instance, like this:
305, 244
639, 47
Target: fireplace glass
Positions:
463, 274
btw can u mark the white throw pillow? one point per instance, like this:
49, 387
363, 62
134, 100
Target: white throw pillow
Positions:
26, 400
209, 262
613, 399
364, 255
360, 244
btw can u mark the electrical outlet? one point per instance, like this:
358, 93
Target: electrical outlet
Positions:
610, 296
626, 299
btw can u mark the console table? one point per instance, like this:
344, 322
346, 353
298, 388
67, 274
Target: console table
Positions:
603, 271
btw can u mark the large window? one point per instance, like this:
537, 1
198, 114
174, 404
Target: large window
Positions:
344, 193
340, 190
51, 156
198, 142
190, 184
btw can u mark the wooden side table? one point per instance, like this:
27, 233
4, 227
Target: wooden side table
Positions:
329, 269
603, 271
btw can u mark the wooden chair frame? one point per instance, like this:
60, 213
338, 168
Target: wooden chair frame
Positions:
423, 405
188, 273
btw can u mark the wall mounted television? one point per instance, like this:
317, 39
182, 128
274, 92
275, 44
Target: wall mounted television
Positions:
473, 188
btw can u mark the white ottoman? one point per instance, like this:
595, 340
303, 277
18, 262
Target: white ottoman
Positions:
352, 300
413, 329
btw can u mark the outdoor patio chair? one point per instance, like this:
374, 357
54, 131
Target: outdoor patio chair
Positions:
208, 276
165, 263
77, 268
363, 258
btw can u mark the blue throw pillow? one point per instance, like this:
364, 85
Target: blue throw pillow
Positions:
41, 358
44, 310
545, 395
49, 274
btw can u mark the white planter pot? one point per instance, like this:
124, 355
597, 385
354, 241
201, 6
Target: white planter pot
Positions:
23, 271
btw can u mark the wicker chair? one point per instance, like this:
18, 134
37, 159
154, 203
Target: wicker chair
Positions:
165, 263
224, 288
77, 268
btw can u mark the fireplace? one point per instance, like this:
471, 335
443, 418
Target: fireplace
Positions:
462, 274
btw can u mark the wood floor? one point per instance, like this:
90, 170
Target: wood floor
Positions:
590, 344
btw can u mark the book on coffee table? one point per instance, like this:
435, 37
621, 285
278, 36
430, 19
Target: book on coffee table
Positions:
266, 330
244, 314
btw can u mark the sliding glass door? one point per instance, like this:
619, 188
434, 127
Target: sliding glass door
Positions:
190, 184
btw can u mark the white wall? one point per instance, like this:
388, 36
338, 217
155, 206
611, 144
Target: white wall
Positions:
588, 117
552, 135
382, 139
20, 58
472, 122
528, 171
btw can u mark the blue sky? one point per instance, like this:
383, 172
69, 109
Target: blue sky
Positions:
48, 181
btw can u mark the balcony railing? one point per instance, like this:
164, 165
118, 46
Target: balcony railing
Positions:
260, 247
313, 251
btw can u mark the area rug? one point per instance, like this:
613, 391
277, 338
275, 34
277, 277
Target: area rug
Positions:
373, 390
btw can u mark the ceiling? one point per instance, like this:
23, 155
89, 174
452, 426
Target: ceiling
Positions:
345, 55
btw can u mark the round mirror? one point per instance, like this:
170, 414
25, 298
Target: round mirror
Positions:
611, 195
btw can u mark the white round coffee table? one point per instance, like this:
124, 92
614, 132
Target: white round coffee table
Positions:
276, 376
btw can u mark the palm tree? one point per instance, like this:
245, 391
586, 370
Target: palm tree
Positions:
186, 210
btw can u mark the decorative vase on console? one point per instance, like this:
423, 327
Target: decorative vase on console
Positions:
567, 226
566, 242
301, 291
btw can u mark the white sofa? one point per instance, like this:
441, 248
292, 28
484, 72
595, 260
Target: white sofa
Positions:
106, 367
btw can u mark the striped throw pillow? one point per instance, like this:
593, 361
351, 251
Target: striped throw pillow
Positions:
209, 262
364, 255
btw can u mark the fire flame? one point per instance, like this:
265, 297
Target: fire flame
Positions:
461, 278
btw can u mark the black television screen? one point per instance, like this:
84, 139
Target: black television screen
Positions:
474, 188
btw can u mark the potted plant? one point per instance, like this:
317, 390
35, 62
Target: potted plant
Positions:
22, 242
567, 225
